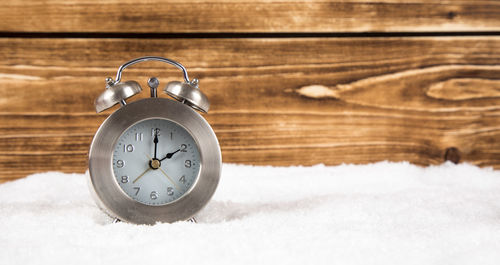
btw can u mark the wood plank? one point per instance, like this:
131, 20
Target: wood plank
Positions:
274, 101
175, 16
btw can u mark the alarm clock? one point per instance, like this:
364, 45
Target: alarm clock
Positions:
154, 159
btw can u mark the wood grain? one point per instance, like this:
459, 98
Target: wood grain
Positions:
175, 16
274, 101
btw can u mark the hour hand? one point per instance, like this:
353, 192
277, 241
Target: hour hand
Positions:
169, 155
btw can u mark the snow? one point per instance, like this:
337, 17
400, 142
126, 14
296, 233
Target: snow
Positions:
383, 213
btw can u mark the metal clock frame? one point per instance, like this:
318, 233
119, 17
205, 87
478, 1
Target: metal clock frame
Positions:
111, 197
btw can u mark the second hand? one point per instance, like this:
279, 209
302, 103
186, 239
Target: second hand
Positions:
164, 173
140, 176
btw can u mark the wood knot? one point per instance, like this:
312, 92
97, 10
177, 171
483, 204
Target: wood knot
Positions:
452, 154
317, 92
451, 15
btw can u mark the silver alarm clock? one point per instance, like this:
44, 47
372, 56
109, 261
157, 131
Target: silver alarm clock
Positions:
154, 159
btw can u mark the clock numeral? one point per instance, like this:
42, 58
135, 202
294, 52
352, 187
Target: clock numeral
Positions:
187, 163
153, 195
139, 136
137, 189
170, 191
128, 148
171, 136
155, 131
183, 179
124, 179
120, 163
183, 148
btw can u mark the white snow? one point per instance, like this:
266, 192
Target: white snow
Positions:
383, 213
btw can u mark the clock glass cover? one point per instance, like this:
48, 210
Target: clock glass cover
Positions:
156, 161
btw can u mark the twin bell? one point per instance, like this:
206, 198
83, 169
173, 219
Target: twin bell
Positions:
184, 92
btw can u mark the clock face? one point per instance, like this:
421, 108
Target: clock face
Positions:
156, 161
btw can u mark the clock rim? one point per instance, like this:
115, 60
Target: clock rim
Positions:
113, 200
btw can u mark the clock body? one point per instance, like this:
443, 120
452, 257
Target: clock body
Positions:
154, 160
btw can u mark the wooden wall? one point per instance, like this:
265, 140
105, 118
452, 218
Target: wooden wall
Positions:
290, 82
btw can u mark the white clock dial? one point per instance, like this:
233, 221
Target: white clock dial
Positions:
161, 176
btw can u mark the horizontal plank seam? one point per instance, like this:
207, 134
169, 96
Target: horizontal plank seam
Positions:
235, 35
324, 145
257, 112
37, 153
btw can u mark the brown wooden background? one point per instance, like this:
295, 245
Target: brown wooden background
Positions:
290, 82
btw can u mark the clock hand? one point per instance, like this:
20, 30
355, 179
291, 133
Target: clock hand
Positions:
155, 140
171, 180
140, 176
164, 173
169, 155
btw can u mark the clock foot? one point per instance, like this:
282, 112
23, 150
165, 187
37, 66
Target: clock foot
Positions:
191, 220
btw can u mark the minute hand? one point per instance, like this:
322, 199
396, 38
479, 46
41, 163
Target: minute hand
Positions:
169, 155
155, 141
